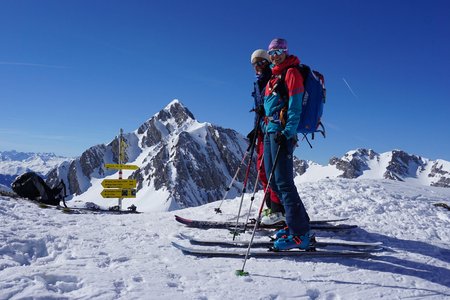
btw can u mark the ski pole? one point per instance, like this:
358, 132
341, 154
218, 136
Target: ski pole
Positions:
241, 272
218, 210
247, 173
250, 149
254, 192
244, 189
255, 189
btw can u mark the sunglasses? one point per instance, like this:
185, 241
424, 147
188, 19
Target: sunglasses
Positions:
260, 63
276, 51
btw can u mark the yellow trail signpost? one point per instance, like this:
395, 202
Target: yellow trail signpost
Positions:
119, 193
121, 167
120, 188
119, 183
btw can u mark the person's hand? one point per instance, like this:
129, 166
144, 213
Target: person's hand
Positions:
280, 139
260, 110
251, 136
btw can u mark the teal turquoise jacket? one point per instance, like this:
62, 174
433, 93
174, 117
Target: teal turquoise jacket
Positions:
273, 104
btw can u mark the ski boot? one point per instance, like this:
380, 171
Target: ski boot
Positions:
280, 233
273, 219
304, 242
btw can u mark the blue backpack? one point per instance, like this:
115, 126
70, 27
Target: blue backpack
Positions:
313, 101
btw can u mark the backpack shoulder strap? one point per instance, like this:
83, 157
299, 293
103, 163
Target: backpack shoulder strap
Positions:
281, 87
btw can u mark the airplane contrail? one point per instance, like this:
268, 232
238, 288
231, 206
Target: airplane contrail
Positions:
350, 88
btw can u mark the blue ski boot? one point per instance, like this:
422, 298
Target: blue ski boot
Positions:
280, 233
293, 241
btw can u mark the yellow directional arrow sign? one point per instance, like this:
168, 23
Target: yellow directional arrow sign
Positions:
121, 167
119, 193
119, 183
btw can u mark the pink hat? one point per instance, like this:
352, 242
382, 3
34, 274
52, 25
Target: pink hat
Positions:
278, 44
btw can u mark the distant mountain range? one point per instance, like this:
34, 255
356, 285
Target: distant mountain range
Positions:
13, 163
185, 163
365, 163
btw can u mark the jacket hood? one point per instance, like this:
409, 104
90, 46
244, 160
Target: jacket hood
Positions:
290, 60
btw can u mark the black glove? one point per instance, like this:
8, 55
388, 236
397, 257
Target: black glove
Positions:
260, 111
280, 139
250, 136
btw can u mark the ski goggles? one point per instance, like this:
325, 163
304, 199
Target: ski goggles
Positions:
259, 63
276, 51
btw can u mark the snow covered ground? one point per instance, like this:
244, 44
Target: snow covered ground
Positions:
46, 254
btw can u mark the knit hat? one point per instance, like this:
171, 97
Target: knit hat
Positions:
260, 53
278, 44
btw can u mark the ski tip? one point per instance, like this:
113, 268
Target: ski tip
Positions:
178, 246
178, 218
241, 273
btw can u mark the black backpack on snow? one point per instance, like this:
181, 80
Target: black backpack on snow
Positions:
32, 186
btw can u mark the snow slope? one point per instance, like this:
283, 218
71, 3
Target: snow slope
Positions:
45, 254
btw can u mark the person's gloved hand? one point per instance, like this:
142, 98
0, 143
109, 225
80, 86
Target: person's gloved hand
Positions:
260, 111
251, 136
280, 139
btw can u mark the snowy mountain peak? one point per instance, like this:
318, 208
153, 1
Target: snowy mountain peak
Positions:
395, 165
174, 102
360, 154
175, 111
182, 162
174, 117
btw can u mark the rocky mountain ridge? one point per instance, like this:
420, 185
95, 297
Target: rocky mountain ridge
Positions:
394, 165
186, 163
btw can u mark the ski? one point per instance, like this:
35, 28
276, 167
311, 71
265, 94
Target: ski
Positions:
444, 205
91, 209
86, 210
212, 252
252, 221
319, 243
230, 225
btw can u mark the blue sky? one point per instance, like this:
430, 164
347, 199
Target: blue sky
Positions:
73, 72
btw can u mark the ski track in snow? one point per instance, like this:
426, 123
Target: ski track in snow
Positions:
46, 254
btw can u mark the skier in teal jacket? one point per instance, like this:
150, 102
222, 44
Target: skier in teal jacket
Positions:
282, 119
